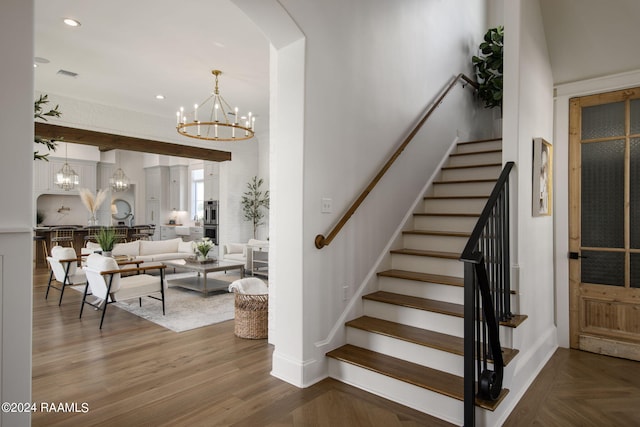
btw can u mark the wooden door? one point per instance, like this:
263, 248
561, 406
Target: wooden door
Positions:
604, 224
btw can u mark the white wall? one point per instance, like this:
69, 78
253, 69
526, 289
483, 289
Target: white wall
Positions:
366, 82
528, 113
16, 245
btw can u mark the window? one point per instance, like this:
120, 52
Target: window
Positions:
197, 193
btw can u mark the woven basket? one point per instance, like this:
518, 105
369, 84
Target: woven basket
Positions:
251, 316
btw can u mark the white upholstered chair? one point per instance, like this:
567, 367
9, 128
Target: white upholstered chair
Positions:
64, 267
107, 284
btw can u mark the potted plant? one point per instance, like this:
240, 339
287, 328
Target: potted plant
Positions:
201, 248
106, 238
488, 67
253, 202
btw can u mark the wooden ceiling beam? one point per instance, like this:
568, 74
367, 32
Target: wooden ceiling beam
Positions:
109, 141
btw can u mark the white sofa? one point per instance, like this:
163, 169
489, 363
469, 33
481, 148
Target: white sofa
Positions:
148, 250
241, 252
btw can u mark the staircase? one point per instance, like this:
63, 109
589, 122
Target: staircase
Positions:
408, 345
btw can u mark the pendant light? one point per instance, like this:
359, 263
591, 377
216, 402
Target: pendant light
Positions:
67, 178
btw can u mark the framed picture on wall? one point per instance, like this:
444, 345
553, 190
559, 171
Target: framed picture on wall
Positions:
542, 177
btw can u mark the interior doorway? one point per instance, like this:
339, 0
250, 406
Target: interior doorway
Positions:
604, 223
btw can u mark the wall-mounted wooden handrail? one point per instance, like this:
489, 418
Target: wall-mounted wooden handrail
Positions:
322, 241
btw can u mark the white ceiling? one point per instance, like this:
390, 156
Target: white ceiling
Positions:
127, 52
591, 38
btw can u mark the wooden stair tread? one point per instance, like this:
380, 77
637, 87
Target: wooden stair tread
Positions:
423, 337
479, 141
418, 303
420, 252
470, 215
412, 373
483, 165
455, 197
423, 277
475, 153
515, 321
435, 306
466, 181
438, 233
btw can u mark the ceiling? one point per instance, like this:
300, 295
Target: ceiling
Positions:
591, 38
127, 52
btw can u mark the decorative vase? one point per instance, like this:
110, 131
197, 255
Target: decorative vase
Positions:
201, 257
107, 253
93, 220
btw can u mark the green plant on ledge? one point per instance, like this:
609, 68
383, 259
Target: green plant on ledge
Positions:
253, 202
488, 67
106, 238
39, 113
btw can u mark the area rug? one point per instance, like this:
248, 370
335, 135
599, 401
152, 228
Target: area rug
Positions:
184, 309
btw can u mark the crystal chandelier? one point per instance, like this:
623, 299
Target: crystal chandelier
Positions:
119, 181
67, 178
217, 125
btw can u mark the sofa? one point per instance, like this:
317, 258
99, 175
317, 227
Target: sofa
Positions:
148, 250
242, 252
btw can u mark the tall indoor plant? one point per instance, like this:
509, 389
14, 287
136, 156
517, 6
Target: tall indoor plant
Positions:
254, 201
488, 67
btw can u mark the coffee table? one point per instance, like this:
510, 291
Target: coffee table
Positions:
199, 281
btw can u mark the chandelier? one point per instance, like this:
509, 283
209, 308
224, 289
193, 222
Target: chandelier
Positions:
221, 122
119, 181
67, 178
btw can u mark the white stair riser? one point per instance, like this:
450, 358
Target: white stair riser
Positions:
454, 205
423, 400
414, 288
475, 159
437, 322
426, 264
492, 172
479, 146
414, 353
463, 188
444, 223
434, 242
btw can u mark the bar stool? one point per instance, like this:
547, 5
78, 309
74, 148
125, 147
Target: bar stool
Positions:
141, 232
62, 235
121, 233
92, 234
43, 244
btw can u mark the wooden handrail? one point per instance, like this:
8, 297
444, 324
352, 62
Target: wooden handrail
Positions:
322, 241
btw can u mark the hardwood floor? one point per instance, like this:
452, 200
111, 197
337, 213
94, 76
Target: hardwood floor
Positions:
135, 373
583, 389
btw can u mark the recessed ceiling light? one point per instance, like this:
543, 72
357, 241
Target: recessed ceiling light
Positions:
35, 65
71, 22
159, 96
41, 60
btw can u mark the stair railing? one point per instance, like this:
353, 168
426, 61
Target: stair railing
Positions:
321, 241
487, 300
